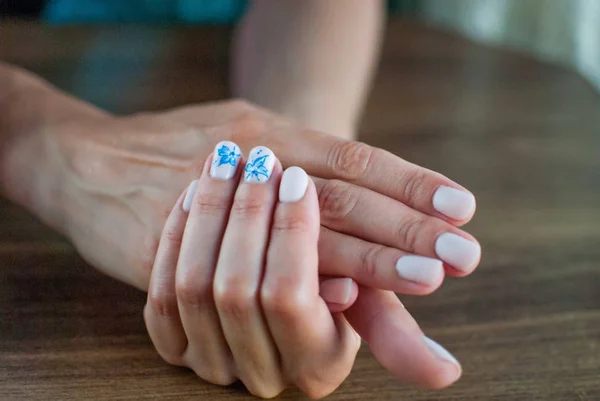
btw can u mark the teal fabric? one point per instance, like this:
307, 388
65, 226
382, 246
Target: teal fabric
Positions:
173, 11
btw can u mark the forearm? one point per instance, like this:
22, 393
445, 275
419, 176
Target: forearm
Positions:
30, 111
310, 60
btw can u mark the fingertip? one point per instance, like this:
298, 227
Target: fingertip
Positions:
338, 293
449, 369
293, 186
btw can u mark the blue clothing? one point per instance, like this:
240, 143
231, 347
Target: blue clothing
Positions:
170, 11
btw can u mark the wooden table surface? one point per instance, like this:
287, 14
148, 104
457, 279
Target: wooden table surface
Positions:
524, 136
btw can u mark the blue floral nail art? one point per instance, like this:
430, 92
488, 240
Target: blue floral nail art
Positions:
225, 160
227, 155
255, 168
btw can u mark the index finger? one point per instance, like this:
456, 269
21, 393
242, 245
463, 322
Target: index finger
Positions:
330, 157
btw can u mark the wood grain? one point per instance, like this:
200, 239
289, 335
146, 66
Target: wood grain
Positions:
522, 135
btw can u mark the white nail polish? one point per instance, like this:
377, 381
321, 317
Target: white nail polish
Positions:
440, 351
189, 196
457, 251
225, 160
453, 203
293, 185
420, 269
260, 165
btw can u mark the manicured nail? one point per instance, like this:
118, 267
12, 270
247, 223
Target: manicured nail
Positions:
189, 196
420, 269
457, 251
453, 203
336, 290
293, 185
260, 165
440, 351
225, 160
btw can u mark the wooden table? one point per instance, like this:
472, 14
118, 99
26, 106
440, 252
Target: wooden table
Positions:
523, 135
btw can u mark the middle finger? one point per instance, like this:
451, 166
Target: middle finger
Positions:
239, 274
373, 217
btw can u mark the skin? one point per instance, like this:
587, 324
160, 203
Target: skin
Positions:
234, 294
309, 60
108, 183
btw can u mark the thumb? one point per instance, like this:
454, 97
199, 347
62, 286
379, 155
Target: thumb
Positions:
339, 293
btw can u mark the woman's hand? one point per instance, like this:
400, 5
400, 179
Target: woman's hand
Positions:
234, 292
386, 223
109, 183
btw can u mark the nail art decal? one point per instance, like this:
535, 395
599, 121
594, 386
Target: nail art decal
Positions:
260, 165
225, 160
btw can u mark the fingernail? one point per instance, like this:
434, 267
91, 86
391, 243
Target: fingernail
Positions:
457, 251
260, 165
336, 290
420, 269
453, 203
441, 352
189, 196
293, 185
225, 160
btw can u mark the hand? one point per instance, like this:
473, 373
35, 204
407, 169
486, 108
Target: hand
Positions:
234, 292
120, 177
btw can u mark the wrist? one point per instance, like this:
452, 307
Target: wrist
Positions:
31, 115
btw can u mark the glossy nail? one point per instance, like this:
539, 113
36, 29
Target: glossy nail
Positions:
293, 185
225, 160
260, 165
420, 269
453, 203
189, 196
458, 251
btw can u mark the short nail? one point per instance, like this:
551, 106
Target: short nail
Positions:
189, 196
420, 269
457, 251
336, 290
453, 203
225, 160
440, 351
293, 185
260, 165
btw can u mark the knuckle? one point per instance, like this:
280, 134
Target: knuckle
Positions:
210, 204
370, 260
336, 200
192, 293
350, 160
414, 183
173, 236
171, 359
214, 375
235, 298
409, 231
314, 383
240, 104
265, 390
249, 206
163, 303
292, 222
284, 298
